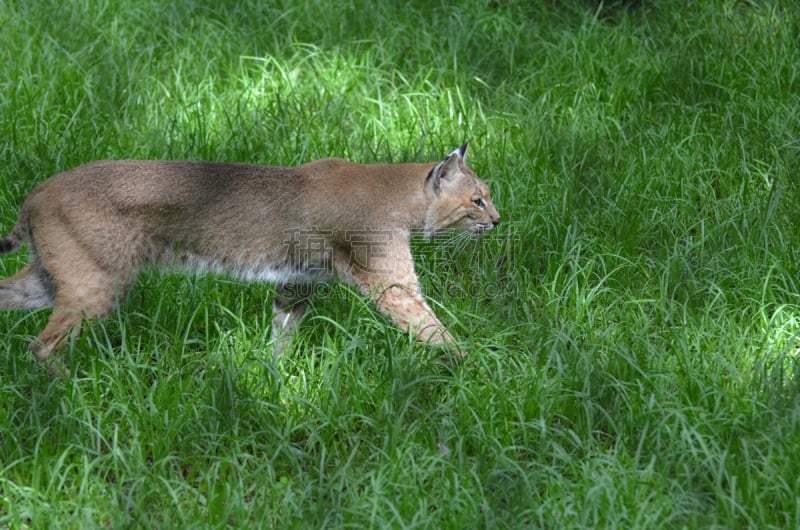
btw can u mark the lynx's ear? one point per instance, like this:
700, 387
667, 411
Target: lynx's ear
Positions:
446, 170
461, 152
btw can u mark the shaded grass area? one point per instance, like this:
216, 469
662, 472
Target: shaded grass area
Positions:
632, 327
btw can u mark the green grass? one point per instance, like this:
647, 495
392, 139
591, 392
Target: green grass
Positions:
632, 326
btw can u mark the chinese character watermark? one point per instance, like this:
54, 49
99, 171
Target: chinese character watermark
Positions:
464, 265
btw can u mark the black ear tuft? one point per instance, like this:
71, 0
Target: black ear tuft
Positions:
462, 151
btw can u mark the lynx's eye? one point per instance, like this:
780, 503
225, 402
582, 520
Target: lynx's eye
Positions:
479, 202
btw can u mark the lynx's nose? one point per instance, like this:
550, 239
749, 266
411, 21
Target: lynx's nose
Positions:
496, 220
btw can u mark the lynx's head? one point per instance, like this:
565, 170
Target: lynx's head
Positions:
458, 199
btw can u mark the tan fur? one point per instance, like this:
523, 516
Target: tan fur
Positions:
91, 229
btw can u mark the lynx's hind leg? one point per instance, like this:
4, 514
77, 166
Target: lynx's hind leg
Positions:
83, 290
90, 296
28, 289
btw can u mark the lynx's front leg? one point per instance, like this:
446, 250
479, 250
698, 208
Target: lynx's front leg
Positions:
406, 307
391, 282
289, 307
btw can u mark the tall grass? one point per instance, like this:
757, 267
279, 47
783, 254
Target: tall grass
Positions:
632, 327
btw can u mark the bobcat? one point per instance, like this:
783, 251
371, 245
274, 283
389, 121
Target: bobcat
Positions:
91, 229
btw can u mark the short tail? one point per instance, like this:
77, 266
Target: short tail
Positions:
14, 240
